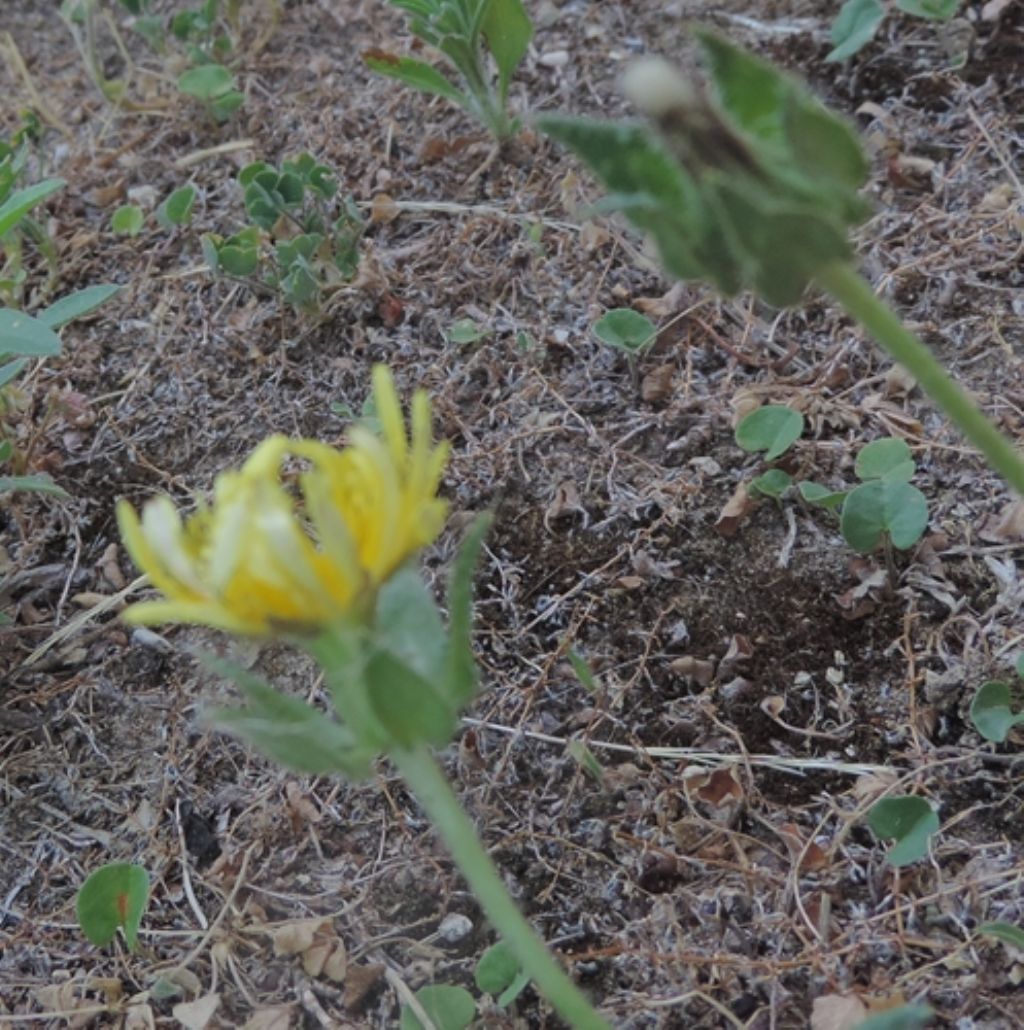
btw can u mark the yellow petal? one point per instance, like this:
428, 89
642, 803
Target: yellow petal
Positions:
389, 414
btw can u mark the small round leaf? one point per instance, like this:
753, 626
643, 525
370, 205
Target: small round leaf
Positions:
991, 713
449, 1008
772, 429
497, 968
127, 220
114, 895
774, 483
820, 496
883, 506
625, 329
910, 820
884, 459
207, 82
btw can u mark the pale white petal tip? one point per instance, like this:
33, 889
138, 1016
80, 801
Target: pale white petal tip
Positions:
656, 86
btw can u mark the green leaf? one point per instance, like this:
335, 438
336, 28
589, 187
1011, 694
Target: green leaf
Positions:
461, 680
883, 506
24, 335
507, 29
991, 713
583, 671
177, 208
465, 331
238, 260
114, 895
586, 760
10, 370
77, 304
855, 27
127, 220
301, 286
772, 429
409, 625
626, 329
411, 708
248, 174
514, 989
40, 483
207, 82
648, 186
935, 10
828, 151
6, 449
417, 74
1018, 665
498, 967
19, 204
1005, 932
447, 1007
223, 107
910, 820
884, 459
906, 1017
773, 483
286, 729
820, 496
805, 233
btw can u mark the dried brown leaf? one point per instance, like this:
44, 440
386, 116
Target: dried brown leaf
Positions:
294, 938
657, 384
1007, 526
270, 1017
196, 1015
383, 209
736, 509
837, 1012
360, 980
719, 787
697, 669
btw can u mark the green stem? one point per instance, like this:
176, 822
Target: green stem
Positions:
850, 289
434, 793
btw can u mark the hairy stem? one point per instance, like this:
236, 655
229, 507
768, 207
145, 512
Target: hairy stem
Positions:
428, 784
851, 290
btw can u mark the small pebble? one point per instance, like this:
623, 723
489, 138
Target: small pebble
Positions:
454, 927
554, 59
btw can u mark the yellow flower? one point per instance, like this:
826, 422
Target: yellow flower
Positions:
259, 560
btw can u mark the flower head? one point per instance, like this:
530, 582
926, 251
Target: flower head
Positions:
261, 559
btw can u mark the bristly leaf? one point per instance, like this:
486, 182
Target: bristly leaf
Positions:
26, 336
417, 74
754, 186
461, 677
17, 205
286, 729
508, 30
76, 304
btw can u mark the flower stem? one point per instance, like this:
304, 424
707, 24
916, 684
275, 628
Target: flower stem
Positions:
428, 784
850, 289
